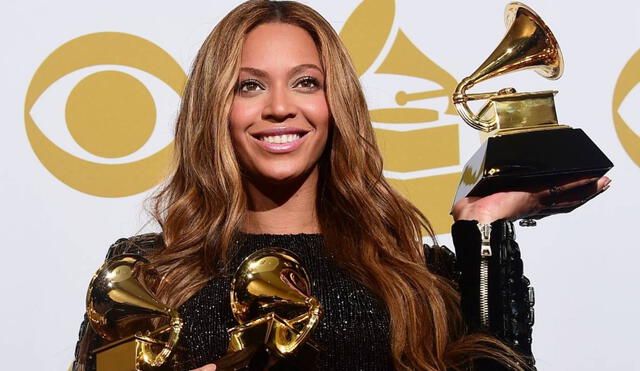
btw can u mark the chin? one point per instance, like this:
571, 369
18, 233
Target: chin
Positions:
284, 174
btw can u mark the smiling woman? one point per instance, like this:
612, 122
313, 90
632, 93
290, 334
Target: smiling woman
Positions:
279, 117
274, 148
279, 126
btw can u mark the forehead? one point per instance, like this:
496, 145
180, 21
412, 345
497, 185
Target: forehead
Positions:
278, 45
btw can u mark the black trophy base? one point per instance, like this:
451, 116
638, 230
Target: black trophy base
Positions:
527, 160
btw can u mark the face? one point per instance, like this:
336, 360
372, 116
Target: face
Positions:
279, 117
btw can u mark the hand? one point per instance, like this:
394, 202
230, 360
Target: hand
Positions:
209, 367
512, 205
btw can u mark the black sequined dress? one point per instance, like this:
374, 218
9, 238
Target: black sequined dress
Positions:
354, 328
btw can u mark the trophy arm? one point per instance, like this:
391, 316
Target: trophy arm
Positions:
149, 356
476, 121
312, 317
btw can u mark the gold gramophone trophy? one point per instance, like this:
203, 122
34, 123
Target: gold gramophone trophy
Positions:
527, 146
120, 311
271, 300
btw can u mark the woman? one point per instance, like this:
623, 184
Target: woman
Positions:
274, 147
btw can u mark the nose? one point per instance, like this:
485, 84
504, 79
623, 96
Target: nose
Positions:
280, 106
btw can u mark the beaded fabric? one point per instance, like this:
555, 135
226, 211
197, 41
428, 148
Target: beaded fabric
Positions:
354, 328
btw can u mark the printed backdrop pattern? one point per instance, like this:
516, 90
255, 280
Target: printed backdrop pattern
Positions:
92, 90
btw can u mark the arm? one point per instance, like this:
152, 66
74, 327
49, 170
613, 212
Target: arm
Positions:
496, 296
502, 308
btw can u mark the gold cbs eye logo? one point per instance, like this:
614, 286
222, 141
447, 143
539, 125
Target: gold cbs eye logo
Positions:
110, 114
629, 78
420, 148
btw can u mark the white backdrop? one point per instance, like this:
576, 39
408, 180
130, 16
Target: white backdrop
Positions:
582, 265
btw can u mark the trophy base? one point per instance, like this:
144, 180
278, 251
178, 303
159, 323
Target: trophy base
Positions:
542, 158
255, 345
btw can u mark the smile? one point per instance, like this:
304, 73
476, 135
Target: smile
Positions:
280, 139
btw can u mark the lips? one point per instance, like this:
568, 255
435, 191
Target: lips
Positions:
280, 139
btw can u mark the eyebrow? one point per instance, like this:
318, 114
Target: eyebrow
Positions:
254, 71
295, 70
302, 67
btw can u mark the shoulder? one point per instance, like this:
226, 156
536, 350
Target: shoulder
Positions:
441, 261
140, 244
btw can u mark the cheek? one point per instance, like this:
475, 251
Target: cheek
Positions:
239, 120
317, 112
242, 116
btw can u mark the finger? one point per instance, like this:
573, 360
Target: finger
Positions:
573, 192
591, 194
576, 183
577, 196
209, 367
601, 182
585, 192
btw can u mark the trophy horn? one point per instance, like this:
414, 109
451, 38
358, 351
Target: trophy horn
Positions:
118, 307
272, 302
528, 44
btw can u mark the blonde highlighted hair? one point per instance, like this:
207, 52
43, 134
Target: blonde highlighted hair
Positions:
372, 231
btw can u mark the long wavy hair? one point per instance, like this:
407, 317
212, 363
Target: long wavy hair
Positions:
371, 230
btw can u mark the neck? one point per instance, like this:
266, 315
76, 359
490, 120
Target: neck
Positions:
282, 208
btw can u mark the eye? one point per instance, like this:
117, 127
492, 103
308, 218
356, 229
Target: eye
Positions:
249, 86
307, 83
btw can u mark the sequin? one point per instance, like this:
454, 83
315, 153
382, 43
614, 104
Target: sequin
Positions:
354, 330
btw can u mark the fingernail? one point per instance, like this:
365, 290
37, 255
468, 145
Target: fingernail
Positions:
607, 182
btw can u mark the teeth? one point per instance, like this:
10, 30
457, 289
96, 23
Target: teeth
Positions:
281, 139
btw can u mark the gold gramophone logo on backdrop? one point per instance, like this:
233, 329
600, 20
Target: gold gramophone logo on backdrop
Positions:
420, 149
109, 114
629, 78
